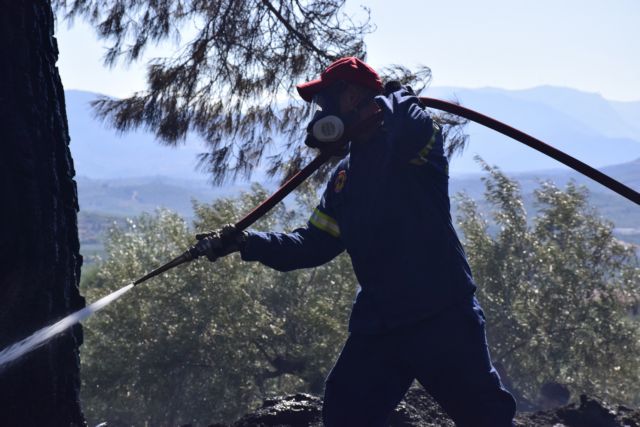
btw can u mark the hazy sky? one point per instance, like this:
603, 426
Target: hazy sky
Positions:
591, 45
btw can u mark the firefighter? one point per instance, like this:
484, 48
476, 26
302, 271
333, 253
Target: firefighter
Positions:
415, 316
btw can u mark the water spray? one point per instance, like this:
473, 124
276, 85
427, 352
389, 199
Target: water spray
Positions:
40, 337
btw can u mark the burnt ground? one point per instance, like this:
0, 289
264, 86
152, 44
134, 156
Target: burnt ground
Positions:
419, 410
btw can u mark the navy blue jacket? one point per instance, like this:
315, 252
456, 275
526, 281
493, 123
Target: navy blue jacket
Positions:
387, 204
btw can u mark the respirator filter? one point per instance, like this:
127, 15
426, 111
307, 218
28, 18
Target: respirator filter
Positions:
328, 129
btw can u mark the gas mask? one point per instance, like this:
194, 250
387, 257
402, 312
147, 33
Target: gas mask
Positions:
329, 129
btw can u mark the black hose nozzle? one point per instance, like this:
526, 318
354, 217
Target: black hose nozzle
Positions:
189, 255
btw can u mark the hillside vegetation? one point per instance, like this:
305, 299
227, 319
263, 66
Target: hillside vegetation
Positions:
206, 342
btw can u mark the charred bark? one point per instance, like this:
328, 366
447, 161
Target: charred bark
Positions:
39, 252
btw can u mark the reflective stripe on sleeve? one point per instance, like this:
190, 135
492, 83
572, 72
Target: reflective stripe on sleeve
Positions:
325, 223
424, 152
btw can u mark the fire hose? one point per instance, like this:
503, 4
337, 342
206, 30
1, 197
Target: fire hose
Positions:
448, 107
536, 144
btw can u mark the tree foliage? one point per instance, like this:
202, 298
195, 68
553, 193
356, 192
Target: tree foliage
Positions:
205, 342
234, 63
223, 82
558, 290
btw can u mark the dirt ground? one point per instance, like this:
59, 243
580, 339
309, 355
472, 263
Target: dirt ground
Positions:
419, 410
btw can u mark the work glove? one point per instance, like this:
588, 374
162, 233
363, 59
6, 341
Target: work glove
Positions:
216, 244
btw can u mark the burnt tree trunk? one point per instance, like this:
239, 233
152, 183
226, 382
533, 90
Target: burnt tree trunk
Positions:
39, 251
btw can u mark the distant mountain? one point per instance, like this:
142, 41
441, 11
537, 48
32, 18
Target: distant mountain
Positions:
132, 196
125, 175
586, 126
101, 153
612, 119
624, 213
597, 131
630, 112
103, 202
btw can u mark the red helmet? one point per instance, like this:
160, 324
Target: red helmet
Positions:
349, 69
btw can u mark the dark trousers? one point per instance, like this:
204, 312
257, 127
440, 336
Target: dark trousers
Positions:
447, 354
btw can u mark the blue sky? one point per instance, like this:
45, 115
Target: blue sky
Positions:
590, 45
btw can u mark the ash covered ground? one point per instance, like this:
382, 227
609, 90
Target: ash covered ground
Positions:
419, 410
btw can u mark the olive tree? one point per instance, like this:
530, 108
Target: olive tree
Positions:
558, 289
206, 341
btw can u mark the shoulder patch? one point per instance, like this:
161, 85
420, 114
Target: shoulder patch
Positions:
341, 180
